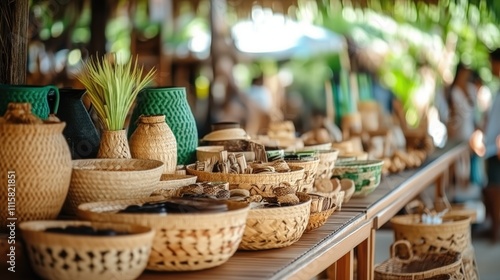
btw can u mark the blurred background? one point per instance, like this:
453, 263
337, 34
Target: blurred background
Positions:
287, 60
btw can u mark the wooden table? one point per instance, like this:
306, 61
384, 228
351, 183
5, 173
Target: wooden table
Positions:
347, 234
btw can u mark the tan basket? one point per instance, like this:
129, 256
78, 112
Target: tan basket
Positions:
65, 256
262, 184
318, 219
111, 179
310, 169
445, 265
114, 144
327, 160
170, 183
183, 242
269, 228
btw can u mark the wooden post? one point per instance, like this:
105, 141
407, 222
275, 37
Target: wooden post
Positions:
14, 16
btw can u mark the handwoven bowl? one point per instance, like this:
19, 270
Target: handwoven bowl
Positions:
67, 256
366, 174
310, 169
261, 183
111, 179
185, 241
327, 159
276, 227
318, 219
170, 183
204, 153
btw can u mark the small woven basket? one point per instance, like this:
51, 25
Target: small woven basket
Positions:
111, 179
170, 183
444, 265
310, 169
277, 227
65, 256
318, 219
183, 242
261, 183
327, 159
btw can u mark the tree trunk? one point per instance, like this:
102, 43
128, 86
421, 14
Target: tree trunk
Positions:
100, 13
14, 17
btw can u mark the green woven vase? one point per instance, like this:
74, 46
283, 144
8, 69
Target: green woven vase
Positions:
171, 102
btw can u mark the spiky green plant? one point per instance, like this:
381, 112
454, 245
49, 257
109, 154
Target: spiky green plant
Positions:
112, 88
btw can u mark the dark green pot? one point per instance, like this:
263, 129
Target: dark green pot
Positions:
171, 102
38, 96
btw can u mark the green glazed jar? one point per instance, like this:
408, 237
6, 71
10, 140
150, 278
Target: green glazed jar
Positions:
38, 96
171, 102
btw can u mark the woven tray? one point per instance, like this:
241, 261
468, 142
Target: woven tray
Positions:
445, 265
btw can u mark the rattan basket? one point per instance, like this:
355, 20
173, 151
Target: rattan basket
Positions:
318, 219
269, 228
65, 256
111, 179
183, 242
262, 183
310, 169
444, 265
170, 183
327, 159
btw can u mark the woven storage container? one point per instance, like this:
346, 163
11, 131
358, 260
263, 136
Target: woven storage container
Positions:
170, 183
183, 242
277, 227
75, 257
326, 164
310, 169
111, 179
366, 174
318, 219
452, 235
444, 265
262, 183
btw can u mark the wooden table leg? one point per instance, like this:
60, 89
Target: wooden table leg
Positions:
440, 200
343, 268
366, 257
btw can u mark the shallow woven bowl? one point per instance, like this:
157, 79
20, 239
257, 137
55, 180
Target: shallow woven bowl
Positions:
66, 256
261, 183
204, 153
170, 183
111, 179
366, 174
277, 227
318, 219
183, 242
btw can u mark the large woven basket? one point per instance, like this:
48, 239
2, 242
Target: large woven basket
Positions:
111, 179
277, 227
170, 183
445, 265
183, 242
262, 184
318, 219
310, 169
75, 257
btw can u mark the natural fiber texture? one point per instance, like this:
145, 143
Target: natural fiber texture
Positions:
366, 174
452, 235
153, 139
444, 265
37, 96
114, 144
110, 179
310, 169
75, 257
183, 242
39, 160
261, 184
276, 227
318, 219
170, 183
326, 164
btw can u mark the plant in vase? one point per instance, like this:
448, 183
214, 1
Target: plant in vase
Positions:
112, 89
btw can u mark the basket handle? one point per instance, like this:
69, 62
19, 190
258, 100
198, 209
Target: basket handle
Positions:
415, 207
405, 243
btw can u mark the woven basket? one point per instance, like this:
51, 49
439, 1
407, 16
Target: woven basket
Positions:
65, 256
114, 144
445, 265
183, 242
111, 179
326, 164
153, 139
170, 183
269, 228
262, 184
310, 169
318, 219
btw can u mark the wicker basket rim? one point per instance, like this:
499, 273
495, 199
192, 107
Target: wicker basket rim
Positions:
304, 199
412, 218
294, 170
360, 163
146, 165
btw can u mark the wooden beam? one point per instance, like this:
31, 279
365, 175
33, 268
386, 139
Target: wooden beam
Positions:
14, 37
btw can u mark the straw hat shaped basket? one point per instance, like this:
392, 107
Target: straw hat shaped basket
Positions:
82, 257
444, 265
276, 227
183, 241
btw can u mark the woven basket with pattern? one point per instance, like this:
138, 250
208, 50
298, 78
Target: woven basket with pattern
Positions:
183, 242
276, 227
111, 179
310, 169
170, 183
318, 219
327, 159
83, 257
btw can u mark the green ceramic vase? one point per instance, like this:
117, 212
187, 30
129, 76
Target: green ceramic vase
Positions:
39, 96
171, 102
